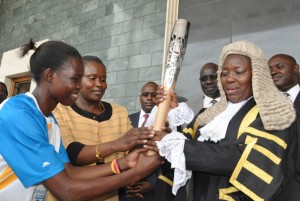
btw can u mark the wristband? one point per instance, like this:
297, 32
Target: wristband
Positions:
115, 167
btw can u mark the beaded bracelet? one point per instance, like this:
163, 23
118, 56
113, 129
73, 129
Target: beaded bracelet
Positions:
115, 167
119, 165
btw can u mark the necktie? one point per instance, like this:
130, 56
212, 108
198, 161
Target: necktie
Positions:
145, 119
213, 101
286, 94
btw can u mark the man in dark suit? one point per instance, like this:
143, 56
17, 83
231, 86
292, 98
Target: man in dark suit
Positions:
147, 101
143, 189
284, 70
208, 82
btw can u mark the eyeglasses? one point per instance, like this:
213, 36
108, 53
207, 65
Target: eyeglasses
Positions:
146, 94
204, 78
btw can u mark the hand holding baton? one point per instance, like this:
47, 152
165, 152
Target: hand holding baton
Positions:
176, 51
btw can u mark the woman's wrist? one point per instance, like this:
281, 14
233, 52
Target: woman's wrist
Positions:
115, 146
106, 149
123, 164
98, 154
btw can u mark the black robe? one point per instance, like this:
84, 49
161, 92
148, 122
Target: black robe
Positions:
250, 164
191, 131
165, 181
292, 191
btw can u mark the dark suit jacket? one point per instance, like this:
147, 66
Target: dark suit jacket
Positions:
292, 192
134, 118
297, 104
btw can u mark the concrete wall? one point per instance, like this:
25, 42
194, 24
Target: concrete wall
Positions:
273, 25
128, 35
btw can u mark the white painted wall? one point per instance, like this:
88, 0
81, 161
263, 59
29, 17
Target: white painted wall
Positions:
12, 66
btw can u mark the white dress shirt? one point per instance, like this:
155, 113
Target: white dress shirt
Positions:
293, 92
141, 118
207, 101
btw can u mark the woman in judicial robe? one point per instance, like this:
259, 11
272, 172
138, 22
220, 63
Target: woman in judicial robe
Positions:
245, 148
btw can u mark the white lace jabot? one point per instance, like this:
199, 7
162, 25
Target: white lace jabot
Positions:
216, 129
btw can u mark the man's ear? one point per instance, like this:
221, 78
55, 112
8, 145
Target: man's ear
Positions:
49, 74
296, 68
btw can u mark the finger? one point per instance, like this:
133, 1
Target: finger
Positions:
142, 142
144, 131
128, 187
139, 183
136, 132
141, 133
166, 129
151, 143
145, 135
139, 150
138, 195
133, 191
160, 94
158, 136
152, 148
150, 128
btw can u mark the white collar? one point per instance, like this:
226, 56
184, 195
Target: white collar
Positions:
141, 117
142, 113
216, 129
207, 101
293, 92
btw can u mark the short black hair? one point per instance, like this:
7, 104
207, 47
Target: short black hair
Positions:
50, 54
89, 58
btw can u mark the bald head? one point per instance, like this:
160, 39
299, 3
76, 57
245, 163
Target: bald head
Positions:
208, 80
284, 70
211, 66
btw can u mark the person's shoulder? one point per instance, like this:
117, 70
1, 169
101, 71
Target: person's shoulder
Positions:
134, 114
20, 105
20, 102
62, 108
297, 104
298, 96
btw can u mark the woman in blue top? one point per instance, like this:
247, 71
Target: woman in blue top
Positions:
31, 152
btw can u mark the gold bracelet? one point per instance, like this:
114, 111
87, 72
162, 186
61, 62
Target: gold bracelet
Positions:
98, 154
